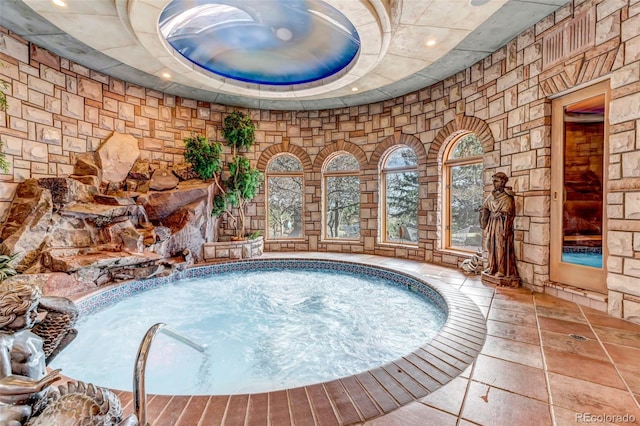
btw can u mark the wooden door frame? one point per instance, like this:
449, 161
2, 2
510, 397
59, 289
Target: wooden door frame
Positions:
585, 277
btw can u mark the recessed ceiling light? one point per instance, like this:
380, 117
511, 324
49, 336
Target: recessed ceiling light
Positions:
354, 89
478, 2
166, 75
59, 3
431, 43
284, 34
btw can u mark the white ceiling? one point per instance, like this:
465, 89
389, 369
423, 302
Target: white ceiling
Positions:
121, 38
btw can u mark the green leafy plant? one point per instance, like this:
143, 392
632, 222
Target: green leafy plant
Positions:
4, 165
238, 131
254, 235
6, 269
243, 180
204, 155
3, 97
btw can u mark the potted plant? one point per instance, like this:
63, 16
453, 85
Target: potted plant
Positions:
240, 183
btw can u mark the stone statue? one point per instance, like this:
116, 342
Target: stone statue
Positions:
498, 213
26, 394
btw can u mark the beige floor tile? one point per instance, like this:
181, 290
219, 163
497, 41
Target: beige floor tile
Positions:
554, 302
513, 317
584, 368
525, 334
597, 318
627, 360
472, 282
464, 422
566, 314
480, 300
487, 405
466, 374
477, 291
564, 417
449, 397
510, 350
618, 336
624, 355
631, 377
585, 397
513, 305
564, 343
415, 414
566, 327
517, 378
514, 294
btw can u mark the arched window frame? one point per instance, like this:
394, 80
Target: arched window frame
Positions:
385, 171
269, 174
326, 174
447, 165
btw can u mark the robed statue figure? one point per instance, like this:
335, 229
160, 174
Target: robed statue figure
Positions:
498, 213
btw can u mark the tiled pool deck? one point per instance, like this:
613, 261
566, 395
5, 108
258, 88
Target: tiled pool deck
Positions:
530, 370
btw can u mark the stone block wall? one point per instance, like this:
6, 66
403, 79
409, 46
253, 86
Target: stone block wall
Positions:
233, 250
58, 109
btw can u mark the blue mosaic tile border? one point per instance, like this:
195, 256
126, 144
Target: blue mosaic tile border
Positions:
115, 294
582, 249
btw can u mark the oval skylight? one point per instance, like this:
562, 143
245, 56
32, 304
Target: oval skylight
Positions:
268, 42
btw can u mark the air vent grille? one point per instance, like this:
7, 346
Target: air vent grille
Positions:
572, 38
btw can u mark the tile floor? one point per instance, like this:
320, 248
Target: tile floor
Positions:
545, 361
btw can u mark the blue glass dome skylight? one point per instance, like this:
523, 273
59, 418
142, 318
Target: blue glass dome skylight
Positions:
268, 42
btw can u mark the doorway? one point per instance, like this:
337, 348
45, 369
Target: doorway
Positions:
578, 188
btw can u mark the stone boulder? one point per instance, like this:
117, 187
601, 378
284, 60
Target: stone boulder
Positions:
141, 170
117, 155
51, 283
73, 233
87, 180
65, 190
74, 259
124, 199
188, 227
26, 228
101, 215
163, 180
126, 235
86, 165
184, 172
102, 266
159, 205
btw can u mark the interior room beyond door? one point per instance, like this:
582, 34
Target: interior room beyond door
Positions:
578, 185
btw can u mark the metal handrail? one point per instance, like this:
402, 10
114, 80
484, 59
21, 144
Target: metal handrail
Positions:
140, 368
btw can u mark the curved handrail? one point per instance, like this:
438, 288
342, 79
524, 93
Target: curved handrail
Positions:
139, 392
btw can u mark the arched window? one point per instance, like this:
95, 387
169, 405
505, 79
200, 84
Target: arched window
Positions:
399, 196
341, 197
284, 180
463, 186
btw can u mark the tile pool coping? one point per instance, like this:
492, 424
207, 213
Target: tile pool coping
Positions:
350, 399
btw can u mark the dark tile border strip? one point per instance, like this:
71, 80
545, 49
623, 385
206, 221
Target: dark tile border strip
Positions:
351, 399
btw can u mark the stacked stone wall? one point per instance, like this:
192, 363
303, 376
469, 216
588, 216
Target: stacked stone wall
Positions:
58, 109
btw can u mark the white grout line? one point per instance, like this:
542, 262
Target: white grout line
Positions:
544, 364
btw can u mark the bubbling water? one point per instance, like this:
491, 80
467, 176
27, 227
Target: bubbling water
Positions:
264, 330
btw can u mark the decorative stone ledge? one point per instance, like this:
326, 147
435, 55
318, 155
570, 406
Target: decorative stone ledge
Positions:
580, 296
233, 249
